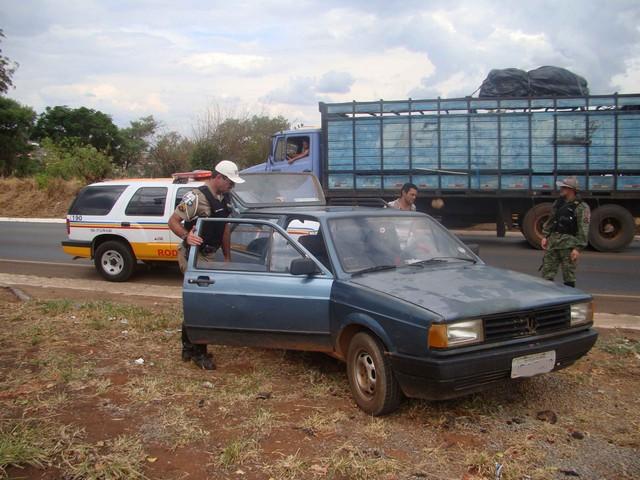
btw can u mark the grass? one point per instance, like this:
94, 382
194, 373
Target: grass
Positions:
290, 467
355, 463
118, 458
238, 452
621, 346
174, 427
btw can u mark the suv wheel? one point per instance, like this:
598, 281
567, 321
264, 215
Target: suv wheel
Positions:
114, 261
373, 385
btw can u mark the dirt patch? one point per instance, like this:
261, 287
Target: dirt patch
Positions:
21, 197
79, 405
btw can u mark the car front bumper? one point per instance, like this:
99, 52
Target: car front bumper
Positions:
450, 375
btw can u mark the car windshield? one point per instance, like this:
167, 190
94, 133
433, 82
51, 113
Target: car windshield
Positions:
373, 243
279, 189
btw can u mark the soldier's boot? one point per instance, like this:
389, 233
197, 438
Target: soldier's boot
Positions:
570, 284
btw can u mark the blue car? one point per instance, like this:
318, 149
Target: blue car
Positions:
411, 309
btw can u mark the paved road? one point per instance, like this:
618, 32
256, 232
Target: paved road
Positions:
614, 278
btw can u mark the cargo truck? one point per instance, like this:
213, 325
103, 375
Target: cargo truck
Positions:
479, 160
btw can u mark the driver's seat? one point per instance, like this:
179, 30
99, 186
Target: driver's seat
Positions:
315, 245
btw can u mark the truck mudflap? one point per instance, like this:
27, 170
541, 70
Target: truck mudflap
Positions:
440, 378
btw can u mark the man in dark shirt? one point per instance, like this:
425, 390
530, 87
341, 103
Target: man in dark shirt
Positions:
210, 200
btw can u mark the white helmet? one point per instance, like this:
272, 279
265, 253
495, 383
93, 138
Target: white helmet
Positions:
229, 170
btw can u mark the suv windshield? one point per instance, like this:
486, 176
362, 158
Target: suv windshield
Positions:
379, 242
278, 189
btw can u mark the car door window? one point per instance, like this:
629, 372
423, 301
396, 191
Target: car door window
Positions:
147, 201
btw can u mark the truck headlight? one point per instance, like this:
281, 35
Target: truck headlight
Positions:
456, 334
581, 313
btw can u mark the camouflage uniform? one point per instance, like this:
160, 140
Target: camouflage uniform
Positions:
560, 245
194, 205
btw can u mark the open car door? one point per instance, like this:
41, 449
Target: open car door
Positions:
271, 294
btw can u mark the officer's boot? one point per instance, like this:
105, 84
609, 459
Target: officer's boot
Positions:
187, 346
570, 284
203, 359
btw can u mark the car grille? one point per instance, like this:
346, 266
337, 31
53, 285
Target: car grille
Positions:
525, 324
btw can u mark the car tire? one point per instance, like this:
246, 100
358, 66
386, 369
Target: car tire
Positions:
114, 260
371, 378
612, 228
533, 221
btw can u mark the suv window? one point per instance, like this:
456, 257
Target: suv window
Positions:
181, 192
98, 200
147, 201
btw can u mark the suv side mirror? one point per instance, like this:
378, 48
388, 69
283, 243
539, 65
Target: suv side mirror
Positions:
302, 266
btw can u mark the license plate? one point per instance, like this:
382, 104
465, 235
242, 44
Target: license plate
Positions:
531, 365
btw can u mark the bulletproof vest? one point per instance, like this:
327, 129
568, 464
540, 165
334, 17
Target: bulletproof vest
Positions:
566, 218
212, 233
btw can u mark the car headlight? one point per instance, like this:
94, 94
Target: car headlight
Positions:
456, 334
581, 313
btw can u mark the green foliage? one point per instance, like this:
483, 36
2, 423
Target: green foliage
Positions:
71, 159
88, 126
16, 123
170, 154
135, 141
246, 141
7, 69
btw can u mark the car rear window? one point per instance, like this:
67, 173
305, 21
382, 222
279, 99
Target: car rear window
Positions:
147, 201
97, 200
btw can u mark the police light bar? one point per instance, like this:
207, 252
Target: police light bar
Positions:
185, 177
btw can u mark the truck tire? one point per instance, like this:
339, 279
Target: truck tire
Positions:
612, 228
533, 221
373, 384
114, 260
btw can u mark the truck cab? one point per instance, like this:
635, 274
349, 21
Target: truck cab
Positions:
287, 144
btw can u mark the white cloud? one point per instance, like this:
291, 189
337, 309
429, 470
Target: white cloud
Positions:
221, 62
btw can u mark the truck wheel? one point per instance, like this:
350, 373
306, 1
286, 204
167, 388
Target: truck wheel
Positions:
612, 228
373, 385
533, 221
114, 260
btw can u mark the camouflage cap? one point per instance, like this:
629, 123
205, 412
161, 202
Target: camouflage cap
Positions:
569, 182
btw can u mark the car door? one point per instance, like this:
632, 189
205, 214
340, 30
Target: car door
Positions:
254, 299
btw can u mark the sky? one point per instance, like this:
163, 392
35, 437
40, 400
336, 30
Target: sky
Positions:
177, 59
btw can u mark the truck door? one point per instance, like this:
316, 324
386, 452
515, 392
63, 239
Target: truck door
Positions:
254, 299
293, 153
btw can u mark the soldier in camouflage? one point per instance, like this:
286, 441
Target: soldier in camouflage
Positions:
565, 233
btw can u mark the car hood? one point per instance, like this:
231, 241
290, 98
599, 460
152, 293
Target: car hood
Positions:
461, 291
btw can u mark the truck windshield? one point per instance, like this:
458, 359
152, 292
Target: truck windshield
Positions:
366, 242
279, 189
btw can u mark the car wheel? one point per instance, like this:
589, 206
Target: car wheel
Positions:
612, 228
114, 261
373, 384
533, 222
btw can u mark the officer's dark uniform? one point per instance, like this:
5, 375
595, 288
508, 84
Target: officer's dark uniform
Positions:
201, 203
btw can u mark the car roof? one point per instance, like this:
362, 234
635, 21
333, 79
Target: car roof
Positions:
163, 182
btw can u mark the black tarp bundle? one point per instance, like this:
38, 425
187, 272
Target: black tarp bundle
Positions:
541, 82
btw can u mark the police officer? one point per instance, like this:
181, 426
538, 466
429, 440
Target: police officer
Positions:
210, 200
565, 233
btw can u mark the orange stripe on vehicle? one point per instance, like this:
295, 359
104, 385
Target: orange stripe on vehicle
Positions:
84, 252
155, 251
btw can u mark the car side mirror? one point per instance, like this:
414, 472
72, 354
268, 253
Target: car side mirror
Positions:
303, 266
474, 247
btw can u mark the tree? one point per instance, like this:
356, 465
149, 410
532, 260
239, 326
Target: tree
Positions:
170, 154
90, 127
242, 138
135, 141
7, 69
16, 123
69, 159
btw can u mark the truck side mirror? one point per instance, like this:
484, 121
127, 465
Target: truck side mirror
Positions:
302, 266
474, 247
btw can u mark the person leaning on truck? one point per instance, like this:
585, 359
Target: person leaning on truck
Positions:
209, 200
407, 199
565, 233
